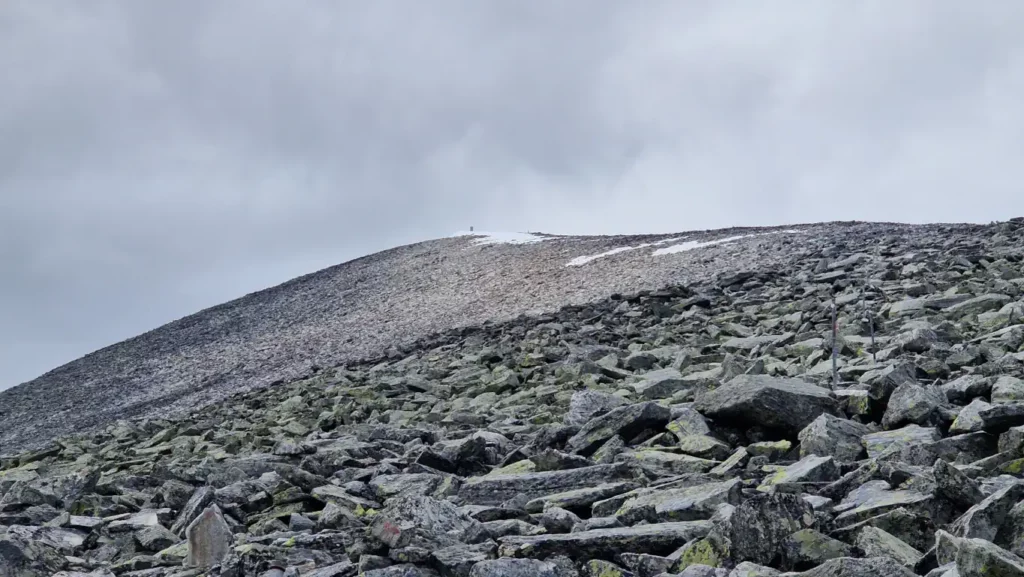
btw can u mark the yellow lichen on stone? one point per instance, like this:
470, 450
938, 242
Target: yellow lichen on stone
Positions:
701, 552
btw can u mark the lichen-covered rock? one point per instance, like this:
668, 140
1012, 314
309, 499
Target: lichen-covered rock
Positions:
587, 404
831, 436
682, 504
655, 539
26, 557
808, 548
423, 522
981, 558
810, 469
755, 529
956, 486
875, 542
912, 404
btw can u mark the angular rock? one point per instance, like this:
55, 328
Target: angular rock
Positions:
912, 404
653, 539
417, 521
876, 497
209, 538
954, 485
829, 435
756, 529
459, 560
771, 402
626, 422
983, 520
1007, 389
807, 548
660, 384
967, 388
810, 469
588, 404
516, 568
496, 489
981, 558
875, 542
201, 498
683, 504
664, 464
579, 499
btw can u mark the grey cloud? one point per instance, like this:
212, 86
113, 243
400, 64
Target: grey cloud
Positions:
160, 157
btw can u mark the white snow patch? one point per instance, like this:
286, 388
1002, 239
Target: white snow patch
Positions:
501, 237
695, 244
582, 260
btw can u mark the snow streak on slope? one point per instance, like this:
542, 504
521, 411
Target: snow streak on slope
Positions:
694, 244
676, 248
582, 260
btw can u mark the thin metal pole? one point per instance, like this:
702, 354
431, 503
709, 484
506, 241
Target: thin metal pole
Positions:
835, 344
871, 320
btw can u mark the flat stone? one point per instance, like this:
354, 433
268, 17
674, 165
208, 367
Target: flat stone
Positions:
874, 498
810, 469
665, 464
496, 489
878, 443
580, 499
679, 504
653, 539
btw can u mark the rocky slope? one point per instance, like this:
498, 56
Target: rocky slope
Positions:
360, 309
693, 430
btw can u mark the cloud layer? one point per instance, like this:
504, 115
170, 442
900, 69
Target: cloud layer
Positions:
157, 158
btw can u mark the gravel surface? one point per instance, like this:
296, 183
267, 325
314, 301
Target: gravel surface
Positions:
357, 310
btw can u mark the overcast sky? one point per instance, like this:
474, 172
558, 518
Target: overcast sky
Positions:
158, 157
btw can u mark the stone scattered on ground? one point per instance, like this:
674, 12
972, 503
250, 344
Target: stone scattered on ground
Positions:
688, 431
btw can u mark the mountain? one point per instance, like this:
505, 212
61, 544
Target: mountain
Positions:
839, 399
359, 310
